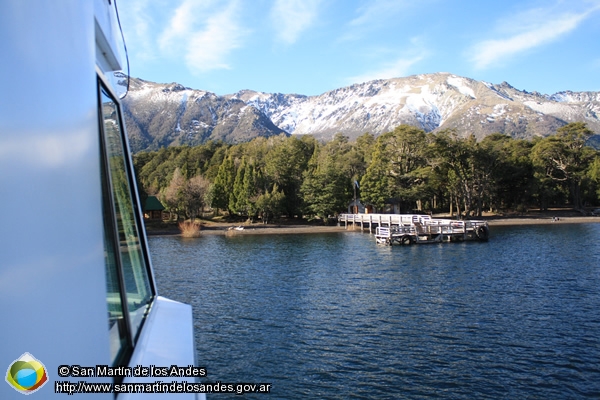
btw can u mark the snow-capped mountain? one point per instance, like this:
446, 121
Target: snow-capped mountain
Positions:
161, 115
431, 102
165, 114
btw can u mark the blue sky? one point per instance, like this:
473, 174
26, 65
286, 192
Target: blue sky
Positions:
312, 46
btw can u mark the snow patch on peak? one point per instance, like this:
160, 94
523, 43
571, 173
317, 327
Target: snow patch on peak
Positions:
462, 85
575, 97
550, 107
562, 97
500, 109
498, 93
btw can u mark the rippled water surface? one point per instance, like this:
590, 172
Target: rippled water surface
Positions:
335, 316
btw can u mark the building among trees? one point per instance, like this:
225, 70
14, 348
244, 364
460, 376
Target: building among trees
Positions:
153, 208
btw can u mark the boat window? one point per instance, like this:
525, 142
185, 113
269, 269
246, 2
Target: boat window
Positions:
117, 326
133, 266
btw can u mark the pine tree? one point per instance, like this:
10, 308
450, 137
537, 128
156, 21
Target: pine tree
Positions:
236, 197
248, 197
223, 185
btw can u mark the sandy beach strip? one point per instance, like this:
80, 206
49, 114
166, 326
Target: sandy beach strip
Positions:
271, 230
541, 221
259, 229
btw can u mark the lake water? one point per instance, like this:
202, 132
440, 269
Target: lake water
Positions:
335, 316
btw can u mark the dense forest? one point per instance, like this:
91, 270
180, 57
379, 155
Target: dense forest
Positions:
414, 170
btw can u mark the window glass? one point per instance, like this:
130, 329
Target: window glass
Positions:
117, 328
133, 264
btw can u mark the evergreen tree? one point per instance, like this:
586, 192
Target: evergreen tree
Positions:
236, 200
284, 166
565, 158
223, 185
376, 184
398, 168
326, 191
593, 175
270, 205
248, 196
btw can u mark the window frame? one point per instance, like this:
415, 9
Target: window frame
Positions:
109, 214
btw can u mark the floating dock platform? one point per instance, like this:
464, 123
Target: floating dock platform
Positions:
411, 228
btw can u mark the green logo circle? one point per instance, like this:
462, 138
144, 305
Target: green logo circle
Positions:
26, 374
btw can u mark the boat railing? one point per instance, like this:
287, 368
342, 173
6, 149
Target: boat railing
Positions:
383, 231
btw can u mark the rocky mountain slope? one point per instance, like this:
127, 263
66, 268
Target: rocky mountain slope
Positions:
431, 102
159, 115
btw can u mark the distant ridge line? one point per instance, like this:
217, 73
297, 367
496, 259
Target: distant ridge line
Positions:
160, 115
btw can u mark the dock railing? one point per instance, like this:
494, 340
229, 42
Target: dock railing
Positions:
381, 220
414, 228
422, 224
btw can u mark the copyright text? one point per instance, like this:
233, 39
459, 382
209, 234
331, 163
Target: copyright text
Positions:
138, 371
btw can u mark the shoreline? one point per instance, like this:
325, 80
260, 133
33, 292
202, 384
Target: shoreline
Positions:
540, 220
226, 229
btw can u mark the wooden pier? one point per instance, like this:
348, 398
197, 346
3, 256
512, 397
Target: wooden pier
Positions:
411, 228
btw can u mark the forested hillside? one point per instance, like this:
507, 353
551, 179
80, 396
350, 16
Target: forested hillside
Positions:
430, 172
